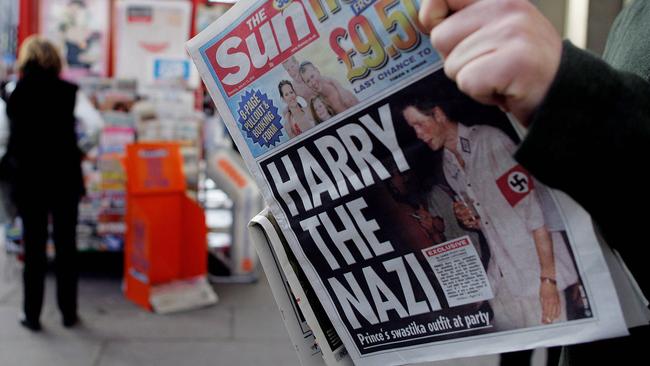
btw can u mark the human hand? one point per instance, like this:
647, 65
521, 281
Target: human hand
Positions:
499, 52
296, 129
438, 223
465, 216
550, 299
576, 294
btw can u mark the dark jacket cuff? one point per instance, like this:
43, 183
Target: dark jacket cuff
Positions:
577, 125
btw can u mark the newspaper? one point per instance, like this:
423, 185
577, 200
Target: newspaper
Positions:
420, 235
310, 329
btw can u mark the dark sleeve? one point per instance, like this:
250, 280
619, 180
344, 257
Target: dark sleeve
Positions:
12, 115
590, 137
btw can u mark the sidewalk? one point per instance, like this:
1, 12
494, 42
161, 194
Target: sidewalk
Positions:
243, 329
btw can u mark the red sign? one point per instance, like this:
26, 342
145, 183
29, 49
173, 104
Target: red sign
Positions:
265, 39
515, 184
448, 246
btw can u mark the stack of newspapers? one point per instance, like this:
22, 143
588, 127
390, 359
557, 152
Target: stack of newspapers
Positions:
399, 227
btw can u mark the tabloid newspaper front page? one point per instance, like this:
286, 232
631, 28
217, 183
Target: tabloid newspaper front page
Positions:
419, 234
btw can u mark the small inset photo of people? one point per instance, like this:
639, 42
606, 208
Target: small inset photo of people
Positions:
309, 97
297, 119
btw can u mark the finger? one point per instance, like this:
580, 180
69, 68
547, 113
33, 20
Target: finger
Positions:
465, 215
550, 311
461, 24
546, 318
553, 307
432, 12
456, 5
485, 40
558, 308
503, 85
488, 87
521, 99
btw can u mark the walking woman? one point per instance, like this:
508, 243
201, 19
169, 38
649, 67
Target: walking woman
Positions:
43, 165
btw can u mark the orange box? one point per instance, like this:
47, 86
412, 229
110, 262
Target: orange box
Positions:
154, 168
166, 236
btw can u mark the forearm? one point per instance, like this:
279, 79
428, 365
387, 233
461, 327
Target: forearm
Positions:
544, 248
593, 119
592, 116
548, 292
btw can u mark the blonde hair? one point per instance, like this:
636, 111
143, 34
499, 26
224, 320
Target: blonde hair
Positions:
312, 108
38, 52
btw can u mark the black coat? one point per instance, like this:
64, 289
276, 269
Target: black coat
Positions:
42, 160
590, 137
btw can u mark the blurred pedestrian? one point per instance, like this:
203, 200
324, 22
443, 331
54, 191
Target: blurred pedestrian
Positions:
43, 167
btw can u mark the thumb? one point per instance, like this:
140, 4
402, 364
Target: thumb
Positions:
455, 5
433, 12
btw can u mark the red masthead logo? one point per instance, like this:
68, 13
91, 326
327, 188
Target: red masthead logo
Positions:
266, 38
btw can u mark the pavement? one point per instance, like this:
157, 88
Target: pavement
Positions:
244, 329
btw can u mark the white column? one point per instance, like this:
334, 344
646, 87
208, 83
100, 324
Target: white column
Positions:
577, 16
